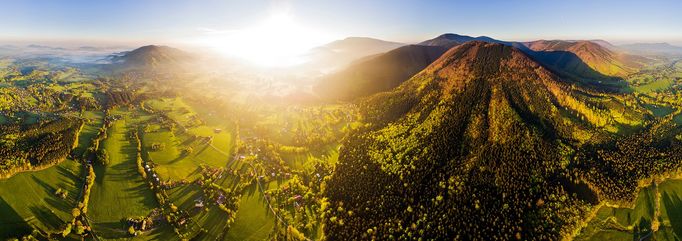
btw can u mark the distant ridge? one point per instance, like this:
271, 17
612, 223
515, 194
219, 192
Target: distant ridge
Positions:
653, 48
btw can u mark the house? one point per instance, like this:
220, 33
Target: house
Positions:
198, 203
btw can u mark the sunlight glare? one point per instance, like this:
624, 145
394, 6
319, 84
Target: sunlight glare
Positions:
276, 42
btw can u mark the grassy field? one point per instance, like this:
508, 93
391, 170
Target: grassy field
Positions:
658, 110
254, 220
620, 223
174, 107
119, 191
617, 223
93, 122
28, 199
172, 163
209, 223
301, 161
671, 205
658, 84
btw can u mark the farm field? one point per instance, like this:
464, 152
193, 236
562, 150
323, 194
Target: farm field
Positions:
36, 203
254, 219
118, 184
184, 149
620, 223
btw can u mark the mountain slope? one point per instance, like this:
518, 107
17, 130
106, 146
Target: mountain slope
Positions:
459, 151
338, 54
378, 73
596, 56
152, 57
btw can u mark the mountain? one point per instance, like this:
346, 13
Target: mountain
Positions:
449, 40
653, 48
601, 59
377, 73
152, 57
469, 148
384, 71
589, 63
338, 54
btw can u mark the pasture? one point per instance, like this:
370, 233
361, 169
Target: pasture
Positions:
119, 191
28, 199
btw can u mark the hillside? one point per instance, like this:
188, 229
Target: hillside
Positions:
472, 136
599, 58
339, 53
152, 57
378, 73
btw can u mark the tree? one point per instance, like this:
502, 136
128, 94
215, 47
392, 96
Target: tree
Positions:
75, 212
67, 230
103, 157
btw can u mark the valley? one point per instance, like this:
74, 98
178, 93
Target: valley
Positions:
459, 137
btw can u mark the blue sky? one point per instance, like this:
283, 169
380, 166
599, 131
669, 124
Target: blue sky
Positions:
170, 21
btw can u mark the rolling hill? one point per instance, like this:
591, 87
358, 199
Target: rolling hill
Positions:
472, 136
378, 73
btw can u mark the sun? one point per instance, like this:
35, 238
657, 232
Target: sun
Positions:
278, 41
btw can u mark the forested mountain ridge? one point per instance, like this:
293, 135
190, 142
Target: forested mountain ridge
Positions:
450, 40
484, 134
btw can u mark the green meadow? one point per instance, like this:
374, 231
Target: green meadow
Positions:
254, 219
28, 199
626, 223
119, 191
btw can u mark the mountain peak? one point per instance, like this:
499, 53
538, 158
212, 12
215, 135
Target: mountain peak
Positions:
484, 60
449, 40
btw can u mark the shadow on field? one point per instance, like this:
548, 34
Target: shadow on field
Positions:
673, 207
100, 171
67, 173
46, 217
203, 149
177, 159
43, 184
111, 230
12, 224
642, 231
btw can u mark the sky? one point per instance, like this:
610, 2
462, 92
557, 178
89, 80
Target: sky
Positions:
317, 21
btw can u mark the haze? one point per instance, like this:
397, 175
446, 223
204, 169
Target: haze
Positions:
278, 32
